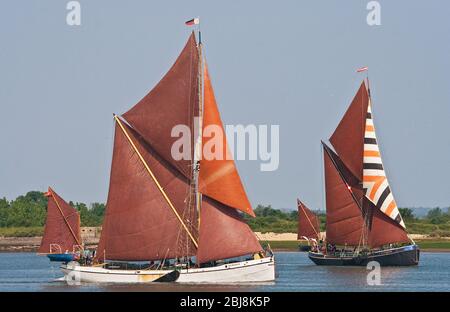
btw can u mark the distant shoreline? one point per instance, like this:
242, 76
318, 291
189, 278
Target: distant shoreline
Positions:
284, 242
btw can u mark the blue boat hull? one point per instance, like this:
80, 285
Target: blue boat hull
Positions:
65, 257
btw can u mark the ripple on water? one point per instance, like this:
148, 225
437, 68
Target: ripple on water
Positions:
295, 272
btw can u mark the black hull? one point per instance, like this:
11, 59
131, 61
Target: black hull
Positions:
403, 256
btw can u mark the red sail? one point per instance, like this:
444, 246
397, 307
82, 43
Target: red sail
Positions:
308, 222
138, 223
219, 178
173, 101
62, 227
348, 138
383, 230
348, 177
223, 233
345, 221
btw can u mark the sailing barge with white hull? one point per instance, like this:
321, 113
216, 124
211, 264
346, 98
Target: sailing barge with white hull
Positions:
363, 221
181, 216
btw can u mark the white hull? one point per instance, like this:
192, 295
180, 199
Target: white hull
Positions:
261, 270
251, 271
74, 274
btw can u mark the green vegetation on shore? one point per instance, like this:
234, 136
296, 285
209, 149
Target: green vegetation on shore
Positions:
433, 244
30, 210
30, 231
436, 223
25, 216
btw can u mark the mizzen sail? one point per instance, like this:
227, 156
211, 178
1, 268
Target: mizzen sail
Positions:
62, 226
348, 138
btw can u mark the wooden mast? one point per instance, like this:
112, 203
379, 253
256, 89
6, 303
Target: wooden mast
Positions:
198, 147
150, 172
367, 216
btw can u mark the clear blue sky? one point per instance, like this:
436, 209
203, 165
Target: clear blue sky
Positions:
290, 63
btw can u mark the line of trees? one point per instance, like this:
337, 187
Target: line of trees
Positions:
435, 223
29, 210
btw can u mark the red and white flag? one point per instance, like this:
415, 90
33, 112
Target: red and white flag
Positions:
194, 21
362, 69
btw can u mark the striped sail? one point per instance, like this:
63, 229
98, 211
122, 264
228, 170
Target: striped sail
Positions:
375, 182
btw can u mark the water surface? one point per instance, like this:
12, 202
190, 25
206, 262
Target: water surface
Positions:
295, 272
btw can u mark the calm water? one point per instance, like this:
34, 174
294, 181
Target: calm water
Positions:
29, 272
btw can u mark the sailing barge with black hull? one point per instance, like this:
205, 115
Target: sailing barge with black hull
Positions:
363, 221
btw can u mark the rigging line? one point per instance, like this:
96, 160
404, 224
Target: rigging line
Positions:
169, 202
181, 240
260, 239
64, 217
198, 199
